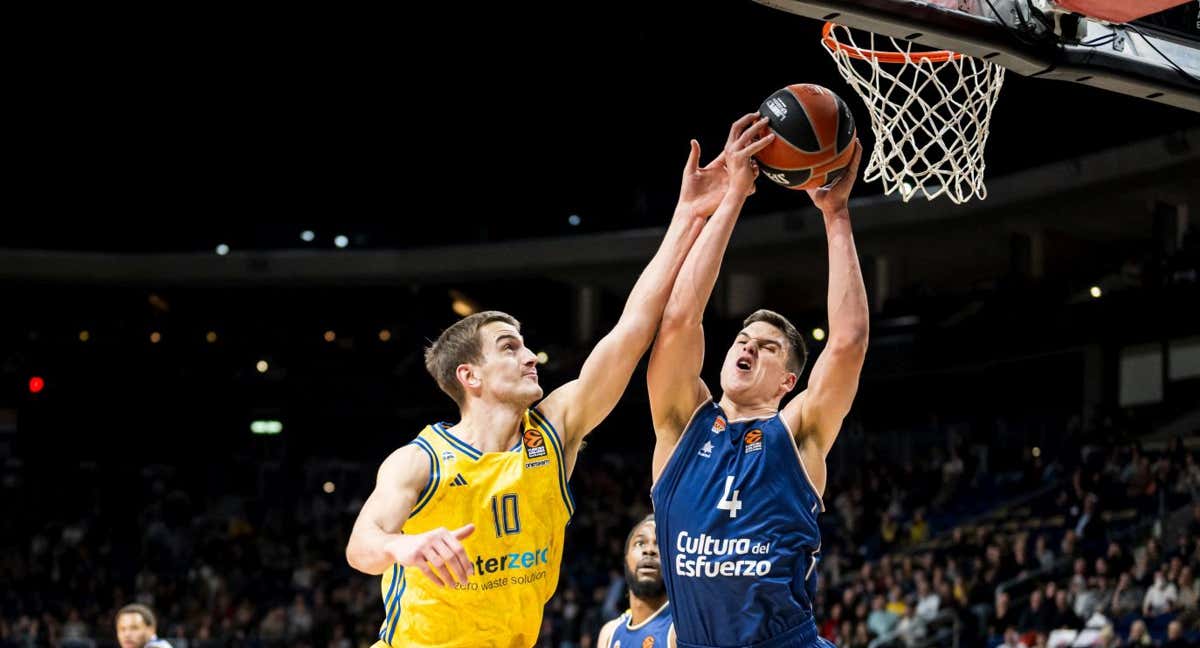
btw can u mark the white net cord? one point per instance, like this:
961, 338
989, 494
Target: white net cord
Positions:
930, 117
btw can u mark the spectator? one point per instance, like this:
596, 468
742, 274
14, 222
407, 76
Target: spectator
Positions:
74, 628
300, 620
1188, 592
1175, 638
1138, 635
1161, 597
1037, 617
861, 639
911, 628
896, 604
918, 529
1012, 639
1043, 554
928, 601
1064, 616
881, 621
1003, 615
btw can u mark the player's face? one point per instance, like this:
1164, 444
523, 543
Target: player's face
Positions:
509, 369
132, 631
643, 572
755, 367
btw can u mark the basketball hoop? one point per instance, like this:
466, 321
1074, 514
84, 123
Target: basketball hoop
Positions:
929, 111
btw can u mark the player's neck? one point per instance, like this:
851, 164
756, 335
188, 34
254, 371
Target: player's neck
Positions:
735, 411
490, 427
641, 609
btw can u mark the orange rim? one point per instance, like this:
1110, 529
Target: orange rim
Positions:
938, 56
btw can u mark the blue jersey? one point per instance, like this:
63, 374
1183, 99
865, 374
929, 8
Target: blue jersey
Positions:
737, 531
651, 633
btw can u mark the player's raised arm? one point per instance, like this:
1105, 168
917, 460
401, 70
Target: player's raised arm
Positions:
579, 406
674, 373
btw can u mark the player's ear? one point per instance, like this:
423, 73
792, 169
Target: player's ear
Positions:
467, 376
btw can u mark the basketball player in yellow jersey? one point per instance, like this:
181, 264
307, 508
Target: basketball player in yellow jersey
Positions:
465, 524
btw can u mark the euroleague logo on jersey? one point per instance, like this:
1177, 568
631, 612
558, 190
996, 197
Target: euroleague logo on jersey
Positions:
648, 642
753, 441
535, 444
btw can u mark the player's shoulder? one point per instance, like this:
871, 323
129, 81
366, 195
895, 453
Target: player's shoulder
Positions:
607, 631
412, 462
551, 413
157, 643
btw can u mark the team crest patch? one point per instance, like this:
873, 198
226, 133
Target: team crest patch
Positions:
648, 642
617, 644
753, 441
535, 445
447, 456
718, 425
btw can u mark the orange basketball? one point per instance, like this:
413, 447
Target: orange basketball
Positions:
814, 137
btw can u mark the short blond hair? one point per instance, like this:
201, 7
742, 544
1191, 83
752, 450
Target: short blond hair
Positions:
460, 344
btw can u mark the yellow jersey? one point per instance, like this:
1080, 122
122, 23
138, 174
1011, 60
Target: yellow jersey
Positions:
520, 504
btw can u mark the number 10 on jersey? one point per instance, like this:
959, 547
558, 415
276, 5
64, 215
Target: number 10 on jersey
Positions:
506, 515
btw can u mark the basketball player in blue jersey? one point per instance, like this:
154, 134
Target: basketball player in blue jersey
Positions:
465, 525
136, 628
738, 481
647, 622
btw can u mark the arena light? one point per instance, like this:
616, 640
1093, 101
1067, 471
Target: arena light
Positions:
1096, 292
574, 220
36, 385
266, 427
307, 236
330, 336
462, 305
818, 334
155, 337
385, 335
210, 337
84, 335
222, 249
542, 357
341, 241
262, 366
329, 487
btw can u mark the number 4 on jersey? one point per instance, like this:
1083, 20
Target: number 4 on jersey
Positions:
727, 503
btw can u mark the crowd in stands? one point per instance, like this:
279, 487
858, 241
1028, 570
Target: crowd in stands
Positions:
1065, 541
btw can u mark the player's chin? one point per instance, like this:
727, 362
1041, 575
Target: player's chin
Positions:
533, 393
736, 384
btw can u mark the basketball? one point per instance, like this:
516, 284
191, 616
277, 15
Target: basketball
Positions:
814, 137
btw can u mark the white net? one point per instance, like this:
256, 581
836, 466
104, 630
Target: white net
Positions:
929, 112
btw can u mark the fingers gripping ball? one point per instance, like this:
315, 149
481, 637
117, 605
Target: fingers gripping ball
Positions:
814, 137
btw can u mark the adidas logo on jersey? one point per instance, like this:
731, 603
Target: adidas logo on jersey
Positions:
458, 480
